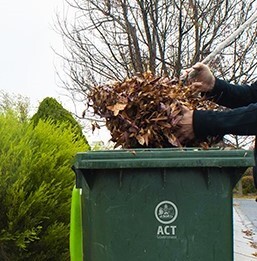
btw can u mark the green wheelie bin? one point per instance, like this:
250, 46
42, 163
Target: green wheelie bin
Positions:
158, 204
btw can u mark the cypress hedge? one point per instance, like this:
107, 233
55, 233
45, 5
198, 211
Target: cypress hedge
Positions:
36, 181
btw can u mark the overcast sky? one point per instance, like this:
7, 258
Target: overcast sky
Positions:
27, 61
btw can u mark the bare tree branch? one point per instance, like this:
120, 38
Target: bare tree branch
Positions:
113, 39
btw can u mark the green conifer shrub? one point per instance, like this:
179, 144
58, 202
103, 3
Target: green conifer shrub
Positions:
36, 181
50, 109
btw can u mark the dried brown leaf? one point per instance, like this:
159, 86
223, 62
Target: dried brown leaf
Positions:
149, 110
140, 139
116, 108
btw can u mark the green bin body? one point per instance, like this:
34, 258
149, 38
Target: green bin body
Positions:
159, 204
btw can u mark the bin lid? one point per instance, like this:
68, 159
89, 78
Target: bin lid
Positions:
164, 158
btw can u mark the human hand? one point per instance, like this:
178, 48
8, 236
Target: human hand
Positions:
203, 80
185, 131
200, 77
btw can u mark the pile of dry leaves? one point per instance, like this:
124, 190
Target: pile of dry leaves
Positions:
144, 111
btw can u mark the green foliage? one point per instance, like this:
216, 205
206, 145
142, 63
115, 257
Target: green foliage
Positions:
249, 171
36, 181
50, 109
248, 185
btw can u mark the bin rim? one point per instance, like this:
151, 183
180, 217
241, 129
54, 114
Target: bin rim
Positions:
164, 158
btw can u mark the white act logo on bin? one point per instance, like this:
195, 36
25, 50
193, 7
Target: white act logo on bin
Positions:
166, 212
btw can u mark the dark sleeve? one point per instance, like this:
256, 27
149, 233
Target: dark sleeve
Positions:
231, 95
239, 121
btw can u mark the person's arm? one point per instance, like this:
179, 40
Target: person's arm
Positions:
220, 91
201, 124
233, 96
239, 121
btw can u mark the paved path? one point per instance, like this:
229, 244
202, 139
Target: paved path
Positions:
245, 230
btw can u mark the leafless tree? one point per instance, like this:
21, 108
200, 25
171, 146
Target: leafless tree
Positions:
113, 39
